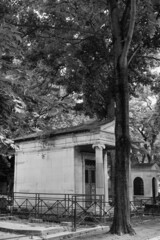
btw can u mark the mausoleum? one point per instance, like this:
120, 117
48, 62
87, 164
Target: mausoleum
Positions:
76, 160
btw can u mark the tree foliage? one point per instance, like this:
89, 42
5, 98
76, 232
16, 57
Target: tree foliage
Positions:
10, 40
76, 39
144, 124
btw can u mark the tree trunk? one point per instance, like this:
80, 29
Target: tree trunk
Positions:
122, 36
121, 222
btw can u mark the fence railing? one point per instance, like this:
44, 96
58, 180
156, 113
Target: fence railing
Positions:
77, 209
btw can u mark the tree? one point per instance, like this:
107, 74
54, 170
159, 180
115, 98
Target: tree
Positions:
9, 48
50, 50
124, 26
144, 124
77, 48
122, 41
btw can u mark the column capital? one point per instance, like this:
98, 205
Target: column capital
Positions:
99, 145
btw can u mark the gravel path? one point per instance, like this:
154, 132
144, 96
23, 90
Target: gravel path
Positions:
145, 229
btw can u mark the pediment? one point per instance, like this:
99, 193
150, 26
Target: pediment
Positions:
108, 127
155, 167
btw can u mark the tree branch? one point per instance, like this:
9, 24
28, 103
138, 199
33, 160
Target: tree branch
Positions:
134, 53
149, 57
125, 17
143, 135
116, 28
130, 31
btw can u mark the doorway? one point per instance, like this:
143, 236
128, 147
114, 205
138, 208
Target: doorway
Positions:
138, 186
90, 181
154, 190
7, 174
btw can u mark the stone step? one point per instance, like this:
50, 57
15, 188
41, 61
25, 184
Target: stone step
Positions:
80, 232
29, 229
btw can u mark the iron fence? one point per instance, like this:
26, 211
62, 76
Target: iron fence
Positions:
77, 209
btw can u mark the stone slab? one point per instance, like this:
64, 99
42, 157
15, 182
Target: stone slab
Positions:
29, 229
82, 232
65, 235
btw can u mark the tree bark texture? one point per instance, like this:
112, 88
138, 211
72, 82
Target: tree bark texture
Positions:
122, 39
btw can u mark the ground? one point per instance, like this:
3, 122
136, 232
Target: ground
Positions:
7, 236
146, 228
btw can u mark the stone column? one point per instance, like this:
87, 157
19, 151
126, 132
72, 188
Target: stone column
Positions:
130, 183
113, 161
99, 168
105, 178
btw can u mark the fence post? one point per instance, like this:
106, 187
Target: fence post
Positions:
101, 204
103, 208
38, 202
74, 201
65, 203
68, 203
35, 206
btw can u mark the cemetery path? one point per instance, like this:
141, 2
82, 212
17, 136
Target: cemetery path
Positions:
148, 228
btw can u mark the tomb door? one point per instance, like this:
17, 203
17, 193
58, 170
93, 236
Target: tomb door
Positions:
154, 190
90, 181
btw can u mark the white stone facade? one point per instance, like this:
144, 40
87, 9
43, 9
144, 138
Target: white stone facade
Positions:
72, 162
